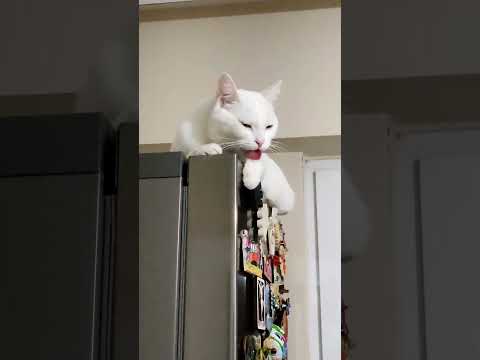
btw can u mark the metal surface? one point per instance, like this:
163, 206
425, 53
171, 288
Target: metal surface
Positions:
211, 261
56, 144
126, 251
160, 206
52, 235
161, 165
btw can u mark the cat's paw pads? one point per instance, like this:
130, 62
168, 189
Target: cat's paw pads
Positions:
252, 174
207, 149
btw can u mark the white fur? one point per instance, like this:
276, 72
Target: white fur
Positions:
219, 124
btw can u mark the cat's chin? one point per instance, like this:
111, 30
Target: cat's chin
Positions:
253, 154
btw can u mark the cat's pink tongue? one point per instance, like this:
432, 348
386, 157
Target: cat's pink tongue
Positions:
253, 154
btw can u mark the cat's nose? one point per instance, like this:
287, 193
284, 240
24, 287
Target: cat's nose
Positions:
259, 143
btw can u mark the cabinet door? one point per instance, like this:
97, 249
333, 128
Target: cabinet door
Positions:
52, 234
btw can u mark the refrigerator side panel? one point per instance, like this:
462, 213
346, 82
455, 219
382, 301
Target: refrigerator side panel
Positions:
210, 291
125, 301
160, 202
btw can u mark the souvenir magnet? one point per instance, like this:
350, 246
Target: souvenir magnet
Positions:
260, 302
277, 270
283, 266
251, 255
268, 308
277, 236
267, 268
271, 239
251, 346
275, 343
249, 350
285, 324
274, 349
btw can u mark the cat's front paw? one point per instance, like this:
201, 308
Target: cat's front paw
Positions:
286, 202
252, 173
207, 149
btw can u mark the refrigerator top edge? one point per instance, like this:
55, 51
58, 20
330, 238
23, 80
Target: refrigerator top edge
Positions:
56, 144
172, 165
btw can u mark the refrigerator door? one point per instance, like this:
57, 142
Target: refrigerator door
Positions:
160, 230
56, 192
51, 228
211, 259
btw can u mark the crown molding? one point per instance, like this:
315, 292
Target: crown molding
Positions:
185, 10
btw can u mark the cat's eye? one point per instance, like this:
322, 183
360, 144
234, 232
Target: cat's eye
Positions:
246, 125
269, 126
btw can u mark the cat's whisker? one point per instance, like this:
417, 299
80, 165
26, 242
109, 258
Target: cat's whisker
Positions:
275, 148
224, 138
229, 144
278, 148
232, 145
233, 142
279, 145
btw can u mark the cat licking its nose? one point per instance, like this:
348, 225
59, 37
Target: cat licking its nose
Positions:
241, 121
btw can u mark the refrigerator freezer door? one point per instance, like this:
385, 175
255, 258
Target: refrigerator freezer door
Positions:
51, 235
211, 259
160, 245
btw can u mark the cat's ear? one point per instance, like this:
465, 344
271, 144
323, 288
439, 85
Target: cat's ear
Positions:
273, 91
227, 90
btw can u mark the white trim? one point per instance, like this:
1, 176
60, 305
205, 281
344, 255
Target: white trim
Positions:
322, 190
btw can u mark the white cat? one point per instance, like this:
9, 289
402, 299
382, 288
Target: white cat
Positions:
244, 122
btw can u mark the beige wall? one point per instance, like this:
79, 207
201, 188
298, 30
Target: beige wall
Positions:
180, 61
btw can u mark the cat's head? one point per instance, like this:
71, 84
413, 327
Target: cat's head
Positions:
243, 119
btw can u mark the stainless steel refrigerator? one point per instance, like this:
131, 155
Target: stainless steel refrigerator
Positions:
194, 303
69, 236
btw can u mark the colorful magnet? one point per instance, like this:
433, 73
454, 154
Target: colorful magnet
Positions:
268, 308
252, 345
252, 259
268, 268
